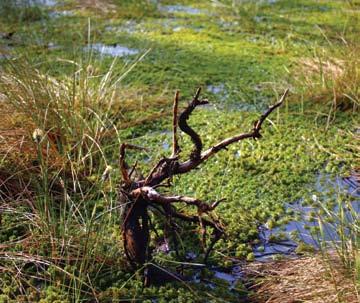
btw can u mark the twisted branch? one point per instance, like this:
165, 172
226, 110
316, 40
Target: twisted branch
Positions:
197, 157
184, 126
142, 193
176, 148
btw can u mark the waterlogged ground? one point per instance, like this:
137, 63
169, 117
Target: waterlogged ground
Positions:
243, 54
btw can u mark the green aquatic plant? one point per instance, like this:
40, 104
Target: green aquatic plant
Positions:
246, 51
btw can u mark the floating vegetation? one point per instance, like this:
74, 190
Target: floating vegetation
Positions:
286, 194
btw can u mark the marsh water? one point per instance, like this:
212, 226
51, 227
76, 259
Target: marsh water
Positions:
243, 57
285, 244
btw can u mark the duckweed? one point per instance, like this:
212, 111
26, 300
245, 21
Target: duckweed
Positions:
244, 54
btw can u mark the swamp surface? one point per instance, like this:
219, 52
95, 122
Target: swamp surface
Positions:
243, 54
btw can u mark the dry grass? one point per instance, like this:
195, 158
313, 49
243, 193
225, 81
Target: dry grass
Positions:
330, 67
79, 119
308, 279
103, 6
332, 77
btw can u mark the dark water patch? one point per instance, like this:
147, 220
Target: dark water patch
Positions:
259, 19
228, 24
267, 1
325, 183
48, 2
115, 50
165, 26
163, 247
180, 28
190, 256
4, 56
219, 90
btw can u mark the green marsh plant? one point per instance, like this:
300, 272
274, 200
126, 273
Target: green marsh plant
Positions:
57, 184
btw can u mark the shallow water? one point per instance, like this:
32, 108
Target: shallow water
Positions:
286, 245
52, 46
38, 2
130, 27
219, 90
57, 14
5, 52
133, 27
48, 2
112, 50
228, 100
234, 275
180, 9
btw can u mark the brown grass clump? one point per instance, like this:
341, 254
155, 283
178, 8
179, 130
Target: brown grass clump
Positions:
103, 6
330, 67
308, 279
332, 77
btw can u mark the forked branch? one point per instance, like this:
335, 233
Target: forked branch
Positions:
141, 194
255, 134
173, 166
184, 126
152, 195
126, 176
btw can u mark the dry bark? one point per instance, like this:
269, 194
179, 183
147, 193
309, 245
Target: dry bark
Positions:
137, 196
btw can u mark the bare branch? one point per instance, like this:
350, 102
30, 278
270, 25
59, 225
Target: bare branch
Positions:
133, 169
151, 194
195, 138
255, 133
257, 126
195, 219
166, 169
142, 194
123, 166
176, 148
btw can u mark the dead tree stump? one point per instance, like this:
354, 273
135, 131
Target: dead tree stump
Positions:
136, 196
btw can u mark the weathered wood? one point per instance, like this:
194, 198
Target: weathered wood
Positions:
136, 196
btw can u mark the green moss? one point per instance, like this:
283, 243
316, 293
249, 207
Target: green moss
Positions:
247, 53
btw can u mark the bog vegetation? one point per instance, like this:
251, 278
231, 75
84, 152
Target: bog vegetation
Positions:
79, 79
